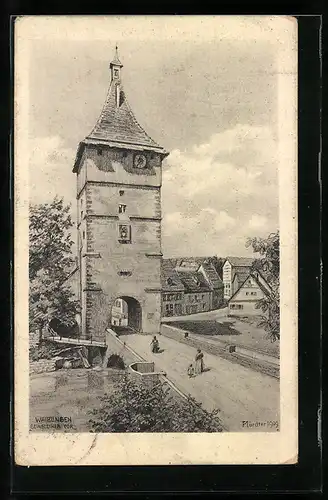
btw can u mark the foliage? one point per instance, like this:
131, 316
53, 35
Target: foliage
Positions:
50, 261
116, 361
50, 242
269, 262
268, 265
45, 350
134, 407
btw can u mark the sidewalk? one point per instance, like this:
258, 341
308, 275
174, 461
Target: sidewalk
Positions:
240, 393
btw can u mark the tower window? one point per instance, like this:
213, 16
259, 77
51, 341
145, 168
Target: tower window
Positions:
116, 73
99, 152
121, 208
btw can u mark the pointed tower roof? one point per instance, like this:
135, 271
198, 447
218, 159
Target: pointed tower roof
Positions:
117, 125
116, 61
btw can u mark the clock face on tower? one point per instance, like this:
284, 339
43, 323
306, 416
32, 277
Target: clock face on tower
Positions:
140, 161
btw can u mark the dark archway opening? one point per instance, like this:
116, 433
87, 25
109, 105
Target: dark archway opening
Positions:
126, 315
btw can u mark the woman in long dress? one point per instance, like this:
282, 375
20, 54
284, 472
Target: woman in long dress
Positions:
199, 362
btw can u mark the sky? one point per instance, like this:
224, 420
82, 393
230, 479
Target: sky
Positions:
209, 100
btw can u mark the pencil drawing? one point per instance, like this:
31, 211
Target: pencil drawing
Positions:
135, 331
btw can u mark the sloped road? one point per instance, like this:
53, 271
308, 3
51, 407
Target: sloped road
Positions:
241, 394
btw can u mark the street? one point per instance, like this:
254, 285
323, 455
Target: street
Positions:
240, 393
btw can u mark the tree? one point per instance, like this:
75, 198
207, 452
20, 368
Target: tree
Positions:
50, 261
269, 266
50, 245
134, 407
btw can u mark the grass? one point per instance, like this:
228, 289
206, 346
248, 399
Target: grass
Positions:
236, 330
208, 327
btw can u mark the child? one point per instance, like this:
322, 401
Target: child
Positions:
191, 371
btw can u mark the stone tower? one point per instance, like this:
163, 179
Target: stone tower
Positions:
119, 171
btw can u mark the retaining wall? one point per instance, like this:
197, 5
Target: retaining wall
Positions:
43, 365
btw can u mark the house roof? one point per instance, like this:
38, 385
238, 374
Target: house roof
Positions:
185, 265
170, 279
260, 281
117, 124
212, 275
241, 273
193, 281
240, 261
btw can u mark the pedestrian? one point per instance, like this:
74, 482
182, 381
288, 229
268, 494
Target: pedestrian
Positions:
154, 345
199, 362
186, 334
191, 371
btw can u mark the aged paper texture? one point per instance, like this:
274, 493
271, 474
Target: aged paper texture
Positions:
155, 240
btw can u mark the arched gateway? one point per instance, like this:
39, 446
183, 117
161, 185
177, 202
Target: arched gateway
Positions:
126, 313
119, 177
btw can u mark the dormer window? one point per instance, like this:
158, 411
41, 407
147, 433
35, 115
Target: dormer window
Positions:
170, 281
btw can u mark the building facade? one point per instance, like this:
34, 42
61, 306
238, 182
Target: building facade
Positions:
245, 299
235, 271
190, 286
120, 312
119, 175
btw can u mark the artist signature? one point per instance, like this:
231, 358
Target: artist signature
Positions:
271, 424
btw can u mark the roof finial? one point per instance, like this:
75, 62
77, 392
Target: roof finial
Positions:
116, 61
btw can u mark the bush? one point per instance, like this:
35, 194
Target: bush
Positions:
45, 350
116, 361
133, 407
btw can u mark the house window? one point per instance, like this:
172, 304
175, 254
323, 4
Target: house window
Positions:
121, 208
121, 192
203, 297
117, 303
84, 235
178, 309
169, 281
99, 152
253, 293
124, 233
204, 306
247, 293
